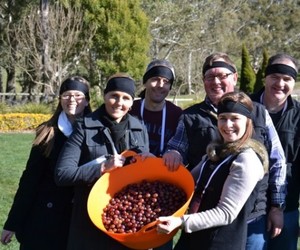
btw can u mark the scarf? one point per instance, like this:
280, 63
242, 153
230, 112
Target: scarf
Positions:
117, 129
64, 124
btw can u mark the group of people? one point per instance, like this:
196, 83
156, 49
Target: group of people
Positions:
242, 151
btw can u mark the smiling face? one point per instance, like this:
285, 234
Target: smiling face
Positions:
117, 104
218, 81
279, 86
157, 89
232, 126
73, 102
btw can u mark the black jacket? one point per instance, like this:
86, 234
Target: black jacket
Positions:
288, 128
41, 211
90, 140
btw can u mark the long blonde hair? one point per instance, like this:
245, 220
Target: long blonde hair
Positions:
45, 132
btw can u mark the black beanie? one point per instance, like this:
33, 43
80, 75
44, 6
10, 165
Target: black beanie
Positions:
121, 83
74, 84
162, 68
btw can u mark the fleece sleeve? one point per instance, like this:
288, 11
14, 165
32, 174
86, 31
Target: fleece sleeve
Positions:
245, 171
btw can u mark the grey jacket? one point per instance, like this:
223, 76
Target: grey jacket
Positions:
90, 140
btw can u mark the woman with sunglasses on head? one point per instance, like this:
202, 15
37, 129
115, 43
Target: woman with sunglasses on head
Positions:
40, 214
227, 183
106, 133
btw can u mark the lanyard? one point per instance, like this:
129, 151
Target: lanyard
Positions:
163, 123
212, 175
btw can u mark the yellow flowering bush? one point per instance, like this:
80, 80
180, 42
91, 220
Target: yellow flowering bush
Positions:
21, 121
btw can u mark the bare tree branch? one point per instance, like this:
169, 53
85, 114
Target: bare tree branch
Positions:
50, 53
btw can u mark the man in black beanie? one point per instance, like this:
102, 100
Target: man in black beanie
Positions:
161, 68
280, 79
159, 115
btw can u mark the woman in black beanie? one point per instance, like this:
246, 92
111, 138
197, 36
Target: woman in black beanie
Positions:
109, 130
41, 211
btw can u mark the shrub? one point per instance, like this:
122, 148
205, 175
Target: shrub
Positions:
29, 108
21, 121
4, 108
96, 98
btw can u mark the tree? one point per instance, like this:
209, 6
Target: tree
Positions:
56, 40
261, 28
50, 47
186, 32
44, 10
247, 79
11, 10
121, 41
259, 83
130, 33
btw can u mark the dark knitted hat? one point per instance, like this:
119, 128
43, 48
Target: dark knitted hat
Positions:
162, 68
75, 83
120, 83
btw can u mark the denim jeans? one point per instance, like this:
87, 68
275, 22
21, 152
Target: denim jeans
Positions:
288, 238
257, 234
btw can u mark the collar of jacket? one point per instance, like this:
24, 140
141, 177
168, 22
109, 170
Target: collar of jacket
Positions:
218, 151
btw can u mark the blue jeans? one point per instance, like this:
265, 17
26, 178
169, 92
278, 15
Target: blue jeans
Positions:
288, 238
257, 234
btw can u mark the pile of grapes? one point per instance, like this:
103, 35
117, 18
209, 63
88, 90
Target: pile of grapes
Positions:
138, 204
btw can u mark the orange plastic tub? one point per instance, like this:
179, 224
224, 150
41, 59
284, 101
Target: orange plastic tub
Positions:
110, 183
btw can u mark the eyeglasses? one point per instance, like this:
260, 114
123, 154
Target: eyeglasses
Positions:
77, 97
220, 77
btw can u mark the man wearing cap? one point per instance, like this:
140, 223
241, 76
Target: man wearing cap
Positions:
159, 115
280, 77
198, 127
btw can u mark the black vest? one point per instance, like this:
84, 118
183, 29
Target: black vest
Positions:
228, 237
201, 126
288, 129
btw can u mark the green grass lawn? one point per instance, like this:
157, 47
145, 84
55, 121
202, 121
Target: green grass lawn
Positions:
14, 152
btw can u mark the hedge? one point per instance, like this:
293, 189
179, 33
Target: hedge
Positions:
21, 122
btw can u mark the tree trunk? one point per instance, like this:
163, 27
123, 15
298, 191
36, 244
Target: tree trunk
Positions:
44, 8
10, 85
1, 86
189, 77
